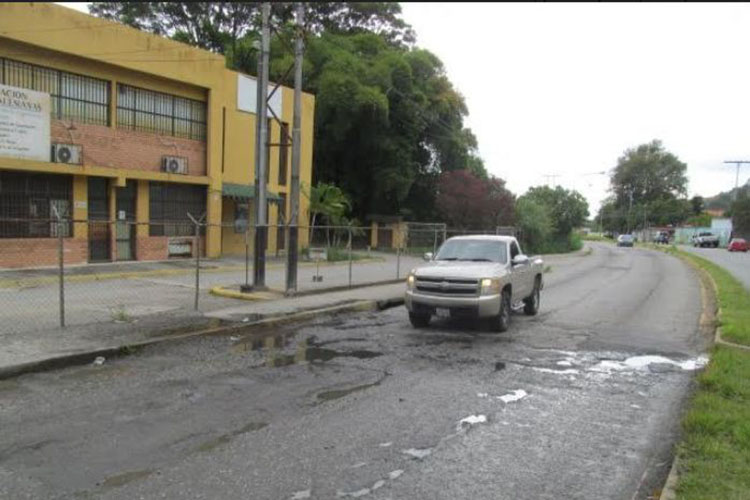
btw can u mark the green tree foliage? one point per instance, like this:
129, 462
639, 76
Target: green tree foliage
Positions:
388, 121
697, 204
547, 218
649, 187
741, 217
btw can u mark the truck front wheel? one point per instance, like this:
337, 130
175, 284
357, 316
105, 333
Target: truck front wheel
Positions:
531, 303
419, 320
501, 322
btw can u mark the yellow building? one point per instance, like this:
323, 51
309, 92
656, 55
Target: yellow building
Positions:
133, 132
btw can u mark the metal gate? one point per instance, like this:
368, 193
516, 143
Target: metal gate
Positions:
125, 225
98, 208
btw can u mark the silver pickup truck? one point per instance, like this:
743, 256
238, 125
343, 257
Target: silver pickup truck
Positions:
475, 276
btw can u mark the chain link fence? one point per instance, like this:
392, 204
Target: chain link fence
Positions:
58, 272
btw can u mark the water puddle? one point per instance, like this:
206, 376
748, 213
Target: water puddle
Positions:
340, 393
469, 421
226, 438
301, 495
125, 478
307, 351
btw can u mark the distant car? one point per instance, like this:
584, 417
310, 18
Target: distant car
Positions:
662, 237
737, 245
706, 239
625, 240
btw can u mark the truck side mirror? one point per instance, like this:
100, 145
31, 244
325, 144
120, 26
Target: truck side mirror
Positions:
520, 259
427, 256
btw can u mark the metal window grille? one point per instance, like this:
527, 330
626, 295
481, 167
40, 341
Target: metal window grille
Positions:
165, 114
169, 205
29, 203
72, 97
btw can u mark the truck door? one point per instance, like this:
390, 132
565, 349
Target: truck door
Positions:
520, 279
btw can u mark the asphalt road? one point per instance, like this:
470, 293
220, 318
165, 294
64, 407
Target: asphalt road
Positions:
737, 263
563, 405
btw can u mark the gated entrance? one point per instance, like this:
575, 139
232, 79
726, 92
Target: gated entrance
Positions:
98, 207
125, 225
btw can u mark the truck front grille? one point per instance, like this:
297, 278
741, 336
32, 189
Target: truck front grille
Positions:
447, 286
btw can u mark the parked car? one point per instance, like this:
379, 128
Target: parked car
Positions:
737, 245
475, 276
662, 237
625, 240
706, 239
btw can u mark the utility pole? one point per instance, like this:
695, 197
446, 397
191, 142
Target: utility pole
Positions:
551, 177
293, 252
630, 207
738, 163
261, 147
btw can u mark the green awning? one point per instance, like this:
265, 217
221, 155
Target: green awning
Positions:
243, 192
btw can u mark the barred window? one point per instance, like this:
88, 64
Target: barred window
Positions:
169, 205
30, 203
72, 97
166, 114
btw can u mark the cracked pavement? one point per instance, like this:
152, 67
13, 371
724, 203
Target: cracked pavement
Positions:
581, 401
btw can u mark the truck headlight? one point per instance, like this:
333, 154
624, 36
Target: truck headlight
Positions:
410, 282
490, 286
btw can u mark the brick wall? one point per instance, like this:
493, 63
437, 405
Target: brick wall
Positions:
35, 252
157, 247
151, 248
120, 148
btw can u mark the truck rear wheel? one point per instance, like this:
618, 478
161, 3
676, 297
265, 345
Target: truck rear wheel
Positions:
531, 303
419, 320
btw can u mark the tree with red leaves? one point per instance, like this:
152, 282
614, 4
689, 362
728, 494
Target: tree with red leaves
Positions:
466, 201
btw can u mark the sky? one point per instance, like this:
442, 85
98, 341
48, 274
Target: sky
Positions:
566, 88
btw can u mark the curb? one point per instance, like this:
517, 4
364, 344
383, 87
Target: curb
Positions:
84, 278
86, 357
271, 294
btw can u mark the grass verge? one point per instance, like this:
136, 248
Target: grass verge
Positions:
714, 455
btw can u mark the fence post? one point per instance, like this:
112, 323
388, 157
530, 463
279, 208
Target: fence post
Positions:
61, 261
434, 244
196, 246
350, 256
247, 255
398, 261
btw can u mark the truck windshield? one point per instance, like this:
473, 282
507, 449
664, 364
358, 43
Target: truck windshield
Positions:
473, 250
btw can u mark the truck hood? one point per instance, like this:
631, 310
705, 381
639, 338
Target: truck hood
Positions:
460, 269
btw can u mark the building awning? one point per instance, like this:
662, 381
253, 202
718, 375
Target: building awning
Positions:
243, 192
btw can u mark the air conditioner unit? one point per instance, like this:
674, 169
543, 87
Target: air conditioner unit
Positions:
66, 153
174, 165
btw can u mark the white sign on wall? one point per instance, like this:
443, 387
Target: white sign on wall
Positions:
24, 123
247, 90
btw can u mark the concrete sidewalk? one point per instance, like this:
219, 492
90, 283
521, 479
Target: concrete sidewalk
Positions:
54, 348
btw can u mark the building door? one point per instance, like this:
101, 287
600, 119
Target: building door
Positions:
385, 237
125, 225
98, 207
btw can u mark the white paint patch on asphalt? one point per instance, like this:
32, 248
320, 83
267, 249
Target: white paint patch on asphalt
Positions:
385, 445
417, 452
482, 395
358, 465
300, 495
378, 484
513, 396
569, 371
394, 474
643, 362
353, 494
565, 362
471, 420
